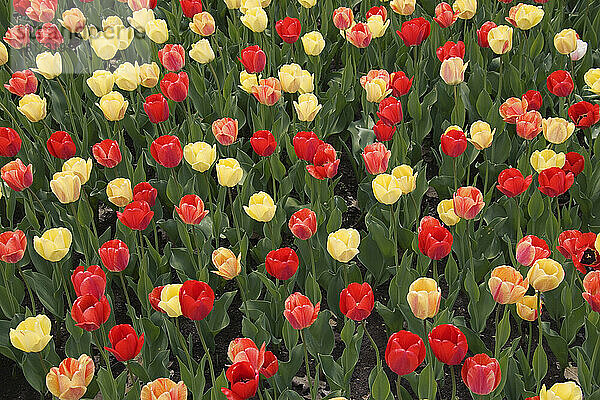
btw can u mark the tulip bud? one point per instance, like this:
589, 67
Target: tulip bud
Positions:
545, 274
313, 43
500, 39
80, 167
468, 202
54, 244
226, 263
33, 107
127, 76
481, 373
140, 19
342, 245
169, 300
512, 109
377, 89
203, 24
282, 263
263, 143
163, 387
229, 172
376, 157
268, 91
175, 86
157, 30
465, 8
101, 82
288, 77
32, 334
299, 311
149, 74
445, 210
202, 52
255, 19
253, 59
453, 141
404, 352
557, 130
191, 209
303, 223
10, 142
16, 175
565, 41
113, 105
343, 17
66, 186
453, 70
114, 255
424, 298
481, 135
119, 192
357, 301
73, 20
444, 15
200, 155
307, 107
359, 35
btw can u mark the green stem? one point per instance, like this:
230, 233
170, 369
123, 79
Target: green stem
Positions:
243, 295
99, 344
468, 237
530, 337
312, 258
212, 70
184, 345
453, 375
195, 236
394, 235
454, 169
129, 307
496, 319
68, 104
540, 338
499, 94
364, 323
84, 247
435, 270
64, 283
235, 222
31, 193
398, 386
12, 300
207, 352
31, 298
155, 234
312, 393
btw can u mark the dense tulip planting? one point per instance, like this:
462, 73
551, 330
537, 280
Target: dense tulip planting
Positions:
288, 199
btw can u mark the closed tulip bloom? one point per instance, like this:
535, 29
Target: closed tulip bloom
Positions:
445, 210
225, 130
12, 246
584, 114
255, 19
154, 298
16, 175
91, 280
243, 378
10, 142
191, 8
288, 29
404, 352
574, 162
591, 286
104, 46
555, 181
101, 82
357, 301
169, 300
229, 172
157, 30
107, 153
557, 130
343, 17
166, 150
383, 132
268, 91
445, 15
307, 82
390, 111
16, 37
377, 89
48, 65
376, 157
3, 54
453, 70
263, 143
172, 57
197, 299
136, 215
233, 4
303, 223
545, 274
124, 35
560, 83
69, 381
424, 298
592, 79
270, 365
307, 107
203, 24
386, 188
380, 76
527, 308
400, 83
342, 245
541, 160
407, 180
580, 51
22, 83
468, 201
453, 142
66, 186
164, 389
31, 335
113, 105
61, 145
54, 244
253, 59
143, 191
200, 155
529, 125
33, 107
127, 76
534, 100
450, 50
157, 108
306, 145
282, 263
202, 52
561, 391
481, 135
126, 344
191, 209
325, 162
79, 166
114, 255
500, 39
49, 36
512, 108
530, 249
482, 33
528, 16
565, 42
244, 349
289, 77
481, 373
448, 344
261, 207
299, 311
313, 43
507, 285
434, 240
413, 32
466, 9
140, 18
149, 74
119, 192
360, 35
248, 81
89, 312
512, 183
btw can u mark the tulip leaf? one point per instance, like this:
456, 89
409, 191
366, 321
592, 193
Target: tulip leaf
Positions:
427, 383
540, 363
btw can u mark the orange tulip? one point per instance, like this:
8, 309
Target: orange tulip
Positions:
69, 381
468, 201
507, 285
268, 91
512, 108
164, 389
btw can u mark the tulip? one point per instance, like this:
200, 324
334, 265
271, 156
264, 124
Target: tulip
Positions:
157, 30
197, 299
413, 32
400, 83
114, 255
90, 281
200, 155
450, 50
386, 188
253, 59
376, 157
343, 17
592, 79
404, 352
307, 3
545, 274
154, 298
357, 301
3, 54
313, 43
406, 178
481, 135
127, 76
270, 365
61, 145
555, 181
289, 77
288, 29
203, 24
157, 108
255, 19
445, 210
113, 105
244, 349
584, 114
261, 207
70, 379
32, 334
191, 8
481, 373
299, 311
248, 81
512, 108
444, 15
560, 83
512, 183
465, 8
306, 145
534, 100
453, 70
529, 125
377, 89
360, 35
119, 192
243, 379
175, 86
390, 111
303, 224
149, 74
342, 245
580, 247
325, 162
16, 37
383, 132
574, 162
507, 285
140, 19
107, 153
434, 240
126, 344
424, 298
567, 243
66, 186
202, 52
16, 175
54, 244
166, 150
557, 130
172, 57
79, 167
22, 83
306, 82
565, 41
10, 142
41, 10
143, 191
33, 107
169, 300
541, 160
528, 16
482, 34
101, 82
453, 142
49, 36
229, 172
90, 312
468, 201
403, 7
562, 391
12, 246
263, 143
527, 308
448, 344
500, 39
307, 107
282, 263
530, 249
164, 388
591, 285
136, 215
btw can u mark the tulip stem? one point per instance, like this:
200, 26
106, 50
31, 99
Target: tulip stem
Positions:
398, 386
435, 270
243, 295
453, 375
64, 283
84, 246
210, 362
31, 193
496, 319
105, 355
126, 294
235, 222
312, 258
31, 298
212, 70
12, 299
499, 95
594, 355
184, 345
540, 338
364, 323
454, 169
309, 379
68, 104
394, 234
558, 213
468, 237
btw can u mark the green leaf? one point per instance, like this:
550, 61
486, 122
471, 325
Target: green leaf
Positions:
427, 383
535, 207
174, 190
380, 390
540, 363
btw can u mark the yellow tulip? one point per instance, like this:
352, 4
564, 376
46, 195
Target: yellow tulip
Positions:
561, 391
453, 70
466, 9
261, 207
149, 74
3, 54
140, 18
202, 52
289, 75
307, 107
80, 167
127, 76
407, 179
104, 46
507, 285
481, 135
255, 19
342, 245
119, 192
313, 43
500, 39
445, 210
403, 7
527, 307
248, 4
597, 243
113, 105
377, 26
545, 274
124, 36
169, 300
248, 81
565, 41
424, 298
557, 130
73, 20
377, 90
541, 160
592, 79
233, 4
111, 22
386, 188
528, 16
66, 186
157, 30
203, 24
200, 155
227, 264
33, 107
307, 82
54, 244
31, 335
229, 172
101, 82
307, 3
48, 65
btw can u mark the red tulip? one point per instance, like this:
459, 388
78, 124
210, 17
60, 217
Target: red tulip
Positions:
49, 36
512, 183
61, 145
405, 351
144, 191
450, 49
413, 32
157, 108
299, 311
270, 365
530, 249
191, 209
20, 6
482, 33
481, 374
166, 150
359, 35
584, 114
390, 111
114, 255
16, 175
529, 124
10, 142
383, 132
12, 246
303, 223
91, 280
126, 344
435, 241
154, 298
197, 299
445, 15
357, 301
175, 86
560, 83
448, 344
263, 143
282, 263
288, 29
591, 285
381, 10
343, 18
22, 83
172, 57
554, 181
534, 100
376, 157
253, 59
566, 242
136, 215
17, 37
89, 312
305, 145
107, 153
400, 83
454, 142
225, 130
243, 381
191, 7
468, 201
580, 248
574, 162
325, 162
